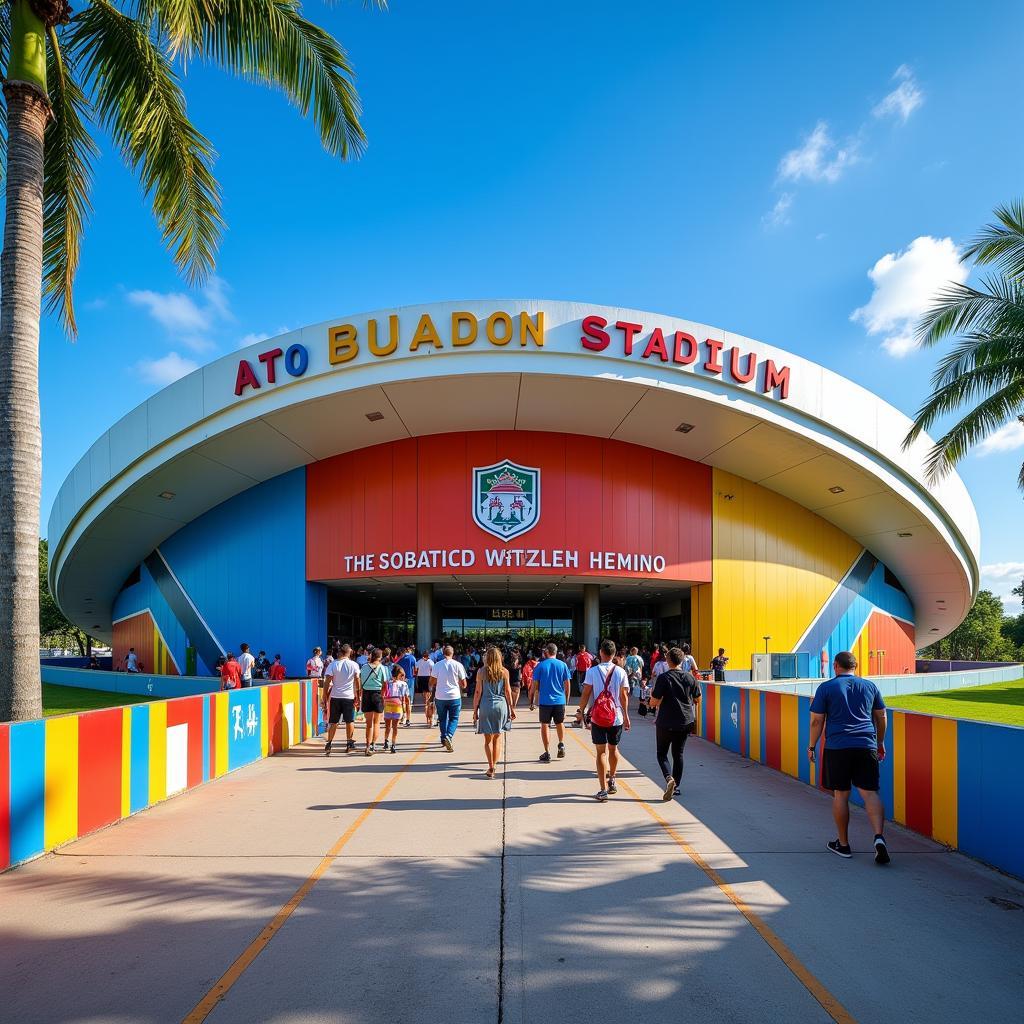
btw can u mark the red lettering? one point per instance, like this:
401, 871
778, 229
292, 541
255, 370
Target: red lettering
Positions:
246, 377
714, 351
776, 377
593, 337
734, 365
268, 359
656, 344
629, 331
691, 349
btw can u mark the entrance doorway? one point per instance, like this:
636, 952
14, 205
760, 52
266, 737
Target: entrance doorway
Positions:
526, 628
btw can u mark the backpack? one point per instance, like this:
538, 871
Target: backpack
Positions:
605, 708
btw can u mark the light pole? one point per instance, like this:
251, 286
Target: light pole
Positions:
766, 639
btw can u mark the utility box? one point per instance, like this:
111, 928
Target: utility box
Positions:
190, 662
760, 668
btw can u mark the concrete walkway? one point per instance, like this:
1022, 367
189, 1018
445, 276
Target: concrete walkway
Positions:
460, 900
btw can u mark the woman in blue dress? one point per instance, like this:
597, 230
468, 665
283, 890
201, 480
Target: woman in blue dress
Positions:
493, 712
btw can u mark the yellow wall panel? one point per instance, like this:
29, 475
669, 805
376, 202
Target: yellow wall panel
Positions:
775, 564
61, 766
944, 780
157, 751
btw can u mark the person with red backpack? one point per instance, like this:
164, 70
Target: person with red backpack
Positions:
606, 700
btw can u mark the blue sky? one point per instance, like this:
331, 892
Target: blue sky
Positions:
744, 165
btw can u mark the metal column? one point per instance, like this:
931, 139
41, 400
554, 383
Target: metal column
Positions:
424, 616
592, 616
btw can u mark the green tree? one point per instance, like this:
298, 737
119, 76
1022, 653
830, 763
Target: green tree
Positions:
984, 371
115, 66
979, 637
55, 628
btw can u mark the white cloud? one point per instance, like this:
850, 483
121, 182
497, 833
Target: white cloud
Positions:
252, 338
818, 159
1006, 439
166, 370
190, 320
778, 215
906, 284
1001, 578
904, 99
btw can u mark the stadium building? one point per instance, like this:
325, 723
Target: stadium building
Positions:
513, 470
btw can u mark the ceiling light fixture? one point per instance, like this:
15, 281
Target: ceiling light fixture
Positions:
904, 533
684, 428
837, 489
166, 495
374, 416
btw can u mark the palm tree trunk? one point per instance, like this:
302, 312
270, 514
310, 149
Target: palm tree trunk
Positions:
21, 269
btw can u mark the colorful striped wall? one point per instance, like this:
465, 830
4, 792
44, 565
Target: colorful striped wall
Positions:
951, 780
61, 778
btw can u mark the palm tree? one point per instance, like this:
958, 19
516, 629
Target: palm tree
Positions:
115, 65
985, 369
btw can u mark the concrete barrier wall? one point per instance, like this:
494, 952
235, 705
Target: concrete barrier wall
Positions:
63, 777
141, 684
951, 780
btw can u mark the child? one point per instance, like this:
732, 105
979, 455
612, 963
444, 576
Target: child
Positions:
396, 706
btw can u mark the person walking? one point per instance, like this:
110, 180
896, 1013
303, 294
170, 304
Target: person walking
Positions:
531, 691
580, 666
372, 677
634, 667
689, 661
407, 663
131, 661
339, 702
245, 663
447, 684
605, 687
424, 670
851, 712
493, 706
515, 674
396, 705
551, 680
261, 670
277, 671
674, 697
718, 663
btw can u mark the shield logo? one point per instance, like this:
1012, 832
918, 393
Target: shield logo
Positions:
506, 499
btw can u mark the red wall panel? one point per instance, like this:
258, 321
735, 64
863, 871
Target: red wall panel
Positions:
99, 769
773, 730
135, 631
5, 796
189, 711
896, 638
918, 760
596, 495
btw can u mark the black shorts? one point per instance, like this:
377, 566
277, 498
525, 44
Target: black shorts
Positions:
611, 735
343, 709
552, 713
423, 684
857, 766
373, 702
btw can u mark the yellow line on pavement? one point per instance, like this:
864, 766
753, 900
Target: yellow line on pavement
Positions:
224, 984
828, 1002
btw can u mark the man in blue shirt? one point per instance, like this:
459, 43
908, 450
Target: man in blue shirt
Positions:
408, 664
551, 678
851, 712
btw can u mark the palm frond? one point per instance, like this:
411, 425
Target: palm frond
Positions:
137, 98
5, 49
986, 417
959, 307
269, 41
67, 176
1001, 243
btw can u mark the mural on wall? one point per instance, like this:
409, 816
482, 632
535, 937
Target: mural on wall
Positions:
63, 777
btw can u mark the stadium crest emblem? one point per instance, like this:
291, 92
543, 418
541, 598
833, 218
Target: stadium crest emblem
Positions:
506, 499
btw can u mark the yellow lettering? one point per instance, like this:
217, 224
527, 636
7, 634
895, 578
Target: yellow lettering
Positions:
458, 338
492, 335
390, 345
341, 344
425, 332
534, 329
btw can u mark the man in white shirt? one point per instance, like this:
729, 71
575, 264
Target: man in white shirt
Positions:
447, 684
341, 690
424, 670
245, 663
131, 661
606, 677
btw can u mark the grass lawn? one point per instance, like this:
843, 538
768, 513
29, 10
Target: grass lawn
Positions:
998, 702
65, 700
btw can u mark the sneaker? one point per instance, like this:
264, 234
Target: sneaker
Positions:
602, 796
561, 750
368, 751
350, 746
545, 758
327, 749
393, 751
448, 745
670, 790
839, 850
881, 851
612, 788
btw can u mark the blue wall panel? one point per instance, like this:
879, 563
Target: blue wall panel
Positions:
28, 786
243, 564
138, 785
145, 594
